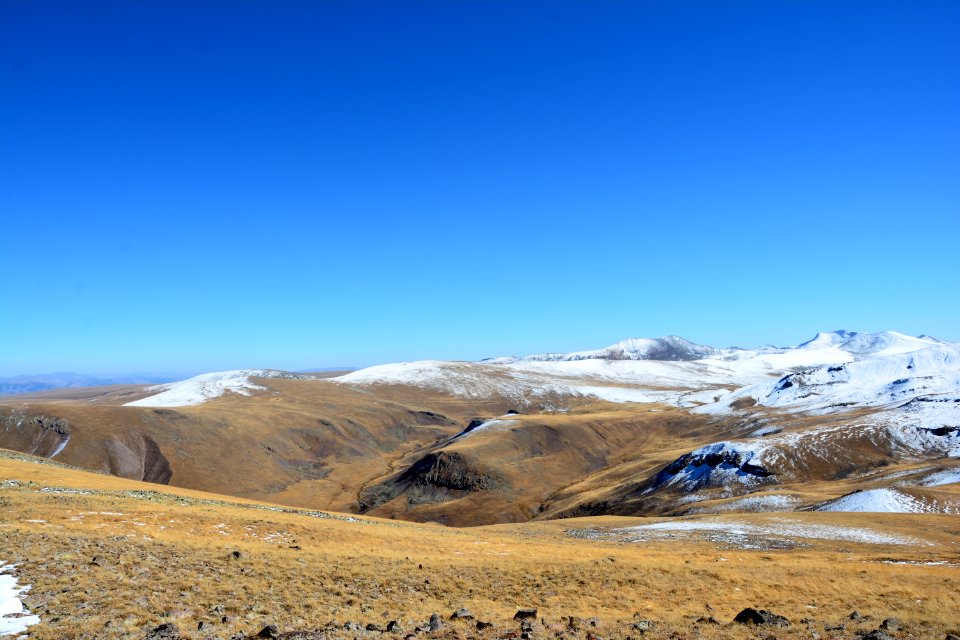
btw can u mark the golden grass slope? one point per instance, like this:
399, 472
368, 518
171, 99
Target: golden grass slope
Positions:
111, 558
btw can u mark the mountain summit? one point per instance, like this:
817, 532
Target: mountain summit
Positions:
667, 348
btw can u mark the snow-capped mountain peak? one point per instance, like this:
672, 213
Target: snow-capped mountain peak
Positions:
828, 339
666, 348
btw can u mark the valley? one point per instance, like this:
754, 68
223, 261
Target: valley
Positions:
617, 494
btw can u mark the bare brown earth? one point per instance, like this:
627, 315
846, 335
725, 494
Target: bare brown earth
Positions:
109, 557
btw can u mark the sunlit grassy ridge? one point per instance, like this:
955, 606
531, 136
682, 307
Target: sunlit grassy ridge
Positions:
109, 557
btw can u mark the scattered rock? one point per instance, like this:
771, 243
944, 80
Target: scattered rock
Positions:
394, 627
435, 622
236, 555
269, 631
166, 631
855, 616
877, 635
835, 627
890, 624
644, 625
525, 614
574, 623
374, 627
95, 560
461, 614
952, 636
761, 616
707, 620
483, 625
351, 626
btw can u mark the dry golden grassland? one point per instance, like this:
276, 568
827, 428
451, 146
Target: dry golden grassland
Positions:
113, 558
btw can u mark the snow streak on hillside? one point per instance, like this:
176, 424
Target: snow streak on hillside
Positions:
204, 387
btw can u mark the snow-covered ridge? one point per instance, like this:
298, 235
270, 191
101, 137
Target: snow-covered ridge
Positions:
199, 389
834, 369
879, 370
667, 348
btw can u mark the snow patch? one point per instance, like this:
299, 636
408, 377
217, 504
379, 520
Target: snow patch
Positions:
882, 501
778, 527
766, 503
207, 386
941, 478
14, 618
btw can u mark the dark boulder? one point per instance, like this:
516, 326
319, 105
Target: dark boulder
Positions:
166, 631
461, 614
877, 635
435, 622
890, 624
761, 617
269, 631
525, 614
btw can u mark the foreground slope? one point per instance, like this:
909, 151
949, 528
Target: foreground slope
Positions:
108, 557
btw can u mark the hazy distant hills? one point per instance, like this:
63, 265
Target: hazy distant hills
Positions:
14, 385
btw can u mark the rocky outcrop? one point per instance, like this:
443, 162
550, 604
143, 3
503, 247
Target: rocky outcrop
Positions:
436, 477
38, 435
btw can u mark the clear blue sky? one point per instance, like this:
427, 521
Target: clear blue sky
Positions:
198, 186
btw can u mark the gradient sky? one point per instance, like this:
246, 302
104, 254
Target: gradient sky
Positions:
200, 186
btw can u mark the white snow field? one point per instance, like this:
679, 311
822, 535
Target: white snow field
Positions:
832, 371
885, 501
14, 618
199, 389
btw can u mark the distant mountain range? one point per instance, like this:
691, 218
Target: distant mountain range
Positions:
14, 385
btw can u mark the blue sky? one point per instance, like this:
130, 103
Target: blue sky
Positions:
187, 188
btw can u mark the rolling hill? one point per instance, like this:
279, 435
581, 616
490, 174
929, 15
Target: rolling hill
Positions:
659, 426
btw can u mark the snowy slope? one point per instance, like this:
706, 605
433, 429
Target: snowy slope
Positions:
204, 387
832, 371
885, 501
531, 381
876, 370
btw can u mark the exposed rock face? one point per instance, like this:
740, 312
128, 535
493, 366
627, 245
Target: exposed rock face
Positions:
137, 457
438, 476
699, 469
37, 435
